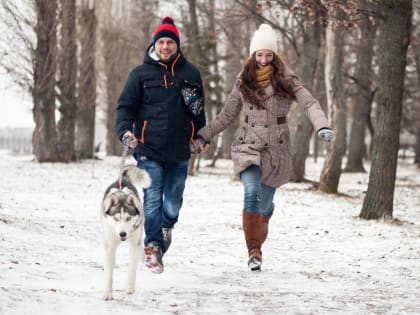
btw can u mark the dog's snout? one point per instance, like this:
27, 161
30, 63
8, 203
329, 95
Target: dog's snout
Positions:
123, 234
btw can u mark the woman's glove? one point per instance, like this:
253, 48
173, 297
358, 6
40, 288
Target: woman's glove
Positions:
326, 134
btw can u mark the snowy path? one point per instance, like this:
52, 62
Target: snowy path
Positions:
319, 258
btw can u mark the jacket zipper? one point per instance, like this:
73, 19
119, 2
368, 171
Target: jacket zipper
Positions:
192, 132
142, 132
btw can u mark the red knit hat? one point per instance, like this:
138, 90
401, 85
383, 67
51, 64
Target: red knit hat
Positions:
167, 28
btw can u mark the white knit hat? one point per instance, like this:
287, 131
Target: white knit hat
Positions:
264, 38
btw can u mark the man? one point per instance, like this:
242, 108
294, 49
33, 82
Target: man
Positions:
159, 110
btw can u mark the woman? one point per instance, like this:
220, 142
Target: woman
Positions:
263, 91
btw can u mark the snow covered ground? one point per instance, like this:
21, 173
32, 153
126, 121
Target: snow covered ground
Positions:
319, 258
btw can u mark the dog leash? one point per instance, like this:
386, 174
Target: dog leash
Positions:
125, 142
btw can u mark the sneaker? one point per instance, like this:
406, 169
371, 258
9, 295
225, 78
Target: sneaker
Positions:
167, 238
153, 257
254, 263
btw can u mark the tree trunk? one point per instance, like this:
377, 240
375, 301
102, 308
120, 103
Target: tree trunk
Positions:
394, 40
85, 123
214, 81
116, 55
195, 57
416, 49
67, 62
233, 67
300, 126
363, 101
331, 172
44, 139
232, 70
320, 93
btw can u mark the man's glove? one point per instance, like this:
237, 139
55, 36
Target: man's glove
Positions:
326, 134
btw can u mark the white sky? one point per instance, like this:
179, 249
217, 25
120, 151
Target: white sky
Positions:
318, 259
15, 106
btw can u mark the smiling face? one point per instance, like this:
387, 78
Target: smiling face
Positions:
166, 48
264, 57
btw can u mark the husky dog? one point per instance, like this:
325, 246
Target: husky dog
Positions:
122, 217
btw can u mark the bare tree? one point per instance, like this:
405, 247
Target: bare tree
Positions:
67, 66
44, 139
334, 76
201, 48
17, 47
125, 32
86, 103
415, 43
320, 94
300, 126
364, 93
394, 40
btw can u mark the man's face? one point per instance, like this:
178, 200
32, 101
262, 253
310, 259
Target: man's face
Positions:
166, 48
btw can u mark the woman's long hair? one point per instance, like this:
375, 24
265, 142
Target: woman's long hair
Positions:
254, 93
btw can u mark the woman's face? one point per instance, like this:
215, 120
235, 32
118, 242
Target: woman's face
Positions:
264, 57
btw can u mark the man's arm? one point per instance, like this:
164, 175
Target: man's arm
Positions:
128, 105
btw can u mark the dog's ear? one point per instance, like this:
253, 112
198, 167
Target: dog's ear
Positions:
109, 202
133, 201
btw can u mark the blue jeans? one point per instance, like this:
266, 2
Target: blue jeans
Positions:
163, 199
258, 198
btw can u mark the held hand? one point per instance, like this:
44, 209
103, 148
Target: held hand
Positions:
132, 139
326, 135
200, 145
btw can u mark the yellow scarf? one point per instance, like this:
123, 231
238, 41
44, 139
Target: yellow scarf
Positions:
263, 76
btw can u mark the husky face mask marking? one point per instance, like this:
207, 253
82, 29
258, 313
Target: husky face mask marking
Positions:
124, 211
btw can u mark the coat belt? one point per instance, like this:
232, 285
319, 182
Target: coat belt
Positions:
280, 120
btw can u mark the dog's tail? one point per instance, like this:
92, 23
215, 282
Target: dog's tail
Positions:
137, 176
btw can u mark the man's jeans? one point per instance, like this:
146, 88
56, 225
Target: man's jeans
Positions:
258, 198
163, 199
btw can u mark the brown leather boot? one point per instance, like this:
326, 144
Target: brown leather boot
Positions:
255, 232
265, 219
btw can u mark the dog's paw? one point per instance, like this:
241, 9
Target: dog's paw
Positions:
108, 296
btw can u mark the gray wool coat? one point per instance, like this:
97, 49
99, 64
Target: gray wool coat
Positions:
263, 138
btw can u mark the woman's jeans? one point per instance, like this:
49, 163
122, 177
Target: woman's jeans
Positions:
258, 198
163, 199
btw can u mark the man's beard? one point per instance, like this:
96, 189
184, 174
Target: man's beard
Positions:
169, 59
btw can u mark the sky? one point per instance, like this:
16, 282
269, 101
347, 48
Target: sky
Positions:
319, 257
15, 105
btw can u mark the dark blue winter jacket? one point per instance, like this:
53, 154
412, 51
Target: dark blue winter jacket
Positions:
152, 103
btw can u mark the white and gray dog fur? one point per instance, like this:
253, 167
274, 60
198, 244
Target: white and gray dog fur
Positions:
122, 217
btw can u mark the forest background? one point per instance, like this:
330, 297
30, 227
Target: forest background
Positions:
360, 58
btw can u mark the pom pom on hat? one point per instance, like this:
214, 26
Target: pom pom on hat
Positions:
166, 28
264, 38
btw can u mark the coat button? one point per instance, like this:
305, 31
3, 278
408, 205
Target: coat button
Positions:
281, 141
266, 144
266, 126
251, 108
252, 125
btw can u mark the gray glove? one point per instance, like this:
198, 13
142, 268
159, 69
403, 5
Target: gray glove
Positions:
326, 135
